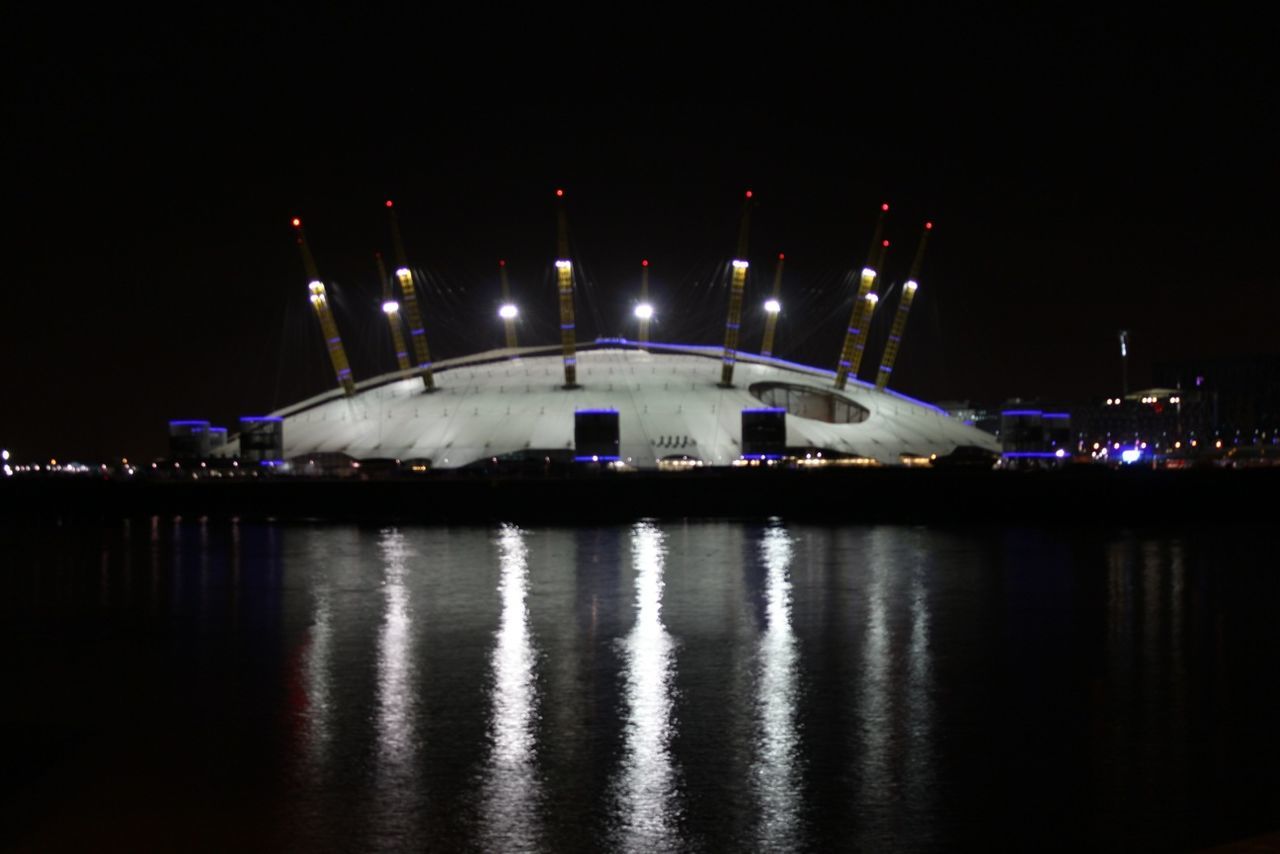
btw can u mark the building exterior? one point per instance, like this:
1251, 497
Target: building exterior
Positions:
510, 409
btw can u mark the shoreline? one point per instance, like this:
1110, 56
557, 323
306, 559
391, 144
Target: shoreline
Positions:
1088, 495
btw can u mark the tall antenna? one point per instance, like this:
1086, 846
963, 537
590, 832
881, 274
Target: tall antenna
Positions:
320, 302
1124, 360
737, 285
417, 333
392, 310
564, 283
771, 308
904, 308
860, 316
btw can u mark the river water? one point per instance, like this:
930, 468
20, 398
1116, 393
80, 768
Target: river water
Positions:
700, 686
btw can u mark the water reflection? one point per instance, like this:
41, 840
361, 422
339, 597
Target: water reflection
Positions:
397, 743
777, 771
874, 694
317, 709
646, 789
511, 790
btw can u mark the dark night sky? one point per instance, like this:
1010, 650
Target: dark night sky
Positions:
1085, 174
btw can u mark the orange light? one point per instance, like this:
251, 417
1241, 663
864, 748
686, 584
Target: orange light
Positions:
297, 223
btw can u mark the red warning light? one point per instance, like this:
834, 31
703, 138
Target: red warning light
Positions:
502, 263
748, 194
644, 263
886, 244
297, 223
928, 226
389, 203
781, 257
559, 193
885, 206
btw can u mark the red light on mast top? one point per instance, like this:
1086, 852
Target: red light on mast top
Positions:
502, 262
885, 244
644, 263
884, 207
928, 226
781, 257
559, 193
297, 223
748, 194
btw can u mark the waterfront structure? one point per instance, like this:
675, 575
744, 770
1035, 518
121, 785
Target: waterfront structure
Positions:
492, 411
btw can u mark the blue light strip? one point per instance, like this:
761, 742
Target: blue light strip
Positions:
217, 429
597, 459
188, 423
1039, 455
255, 418
1021, 412
762, 456
1057, 415
595, 412
766, 409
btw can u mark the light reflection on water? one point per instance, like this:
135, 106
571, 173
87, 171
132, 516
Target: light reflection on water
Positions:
695, 686
398, 753
510, 807
646, 783
777, 765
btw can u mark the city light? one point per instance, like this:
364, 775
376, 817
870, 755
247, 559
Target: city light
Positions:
564, 265
508, 312
740, 265
772, 306
4, 455
391, 306
402, 272
911, 286
644, 311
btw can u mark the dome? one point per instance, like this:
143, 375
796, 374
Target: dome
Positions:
511, 405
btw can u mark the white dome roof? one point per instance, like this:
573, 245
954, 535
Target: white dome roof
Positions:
668, 401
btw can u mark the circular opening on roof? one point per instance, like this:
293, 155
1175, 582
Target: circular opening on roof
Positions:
807, 402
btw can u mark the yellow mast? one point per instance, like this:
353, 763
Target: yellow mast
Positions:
564, 283
736, 287
644, 311
771, 308
417, 332
391, 309
868, 308
320, 302
904, 307
860, 301
507, 311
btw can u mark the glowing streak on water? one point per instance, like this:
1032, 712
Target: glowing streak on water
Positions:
874, 692
512, 792
395, 659
777, 769
316, 673
646, 787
